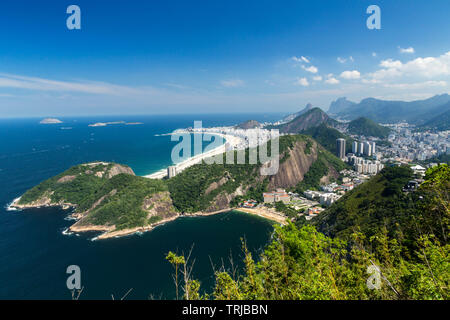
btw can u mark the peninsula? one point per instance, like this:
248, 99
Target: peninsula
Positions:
110, 198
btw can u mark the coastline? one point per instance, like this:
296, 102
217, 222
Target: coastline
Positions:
264, 213
232, 140
110, 232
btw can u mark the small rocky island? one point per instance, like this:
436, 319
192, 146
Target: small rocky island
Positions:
50, 121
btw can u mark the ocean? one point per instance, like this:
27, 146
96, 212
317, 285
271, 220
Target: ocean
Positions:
34, 252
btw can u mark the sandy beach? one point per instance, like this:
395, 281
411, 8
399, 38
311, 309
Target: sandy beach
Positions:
231, 140
265, 213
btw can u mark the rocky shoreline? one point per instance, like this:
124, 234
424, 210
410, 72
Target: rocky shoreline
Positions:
110, 232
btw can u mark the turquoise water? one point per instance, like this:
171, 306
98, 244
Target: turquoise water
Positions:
34, 254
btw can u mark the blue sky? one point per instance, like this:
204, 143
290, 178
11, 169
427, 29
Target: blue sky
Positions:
145, 57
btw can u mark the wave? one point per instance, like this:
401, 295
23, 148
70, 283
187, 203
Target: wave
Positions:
66, 232
8, 206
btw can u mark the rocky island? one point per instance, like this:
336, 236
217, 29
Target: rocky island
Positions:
50, 121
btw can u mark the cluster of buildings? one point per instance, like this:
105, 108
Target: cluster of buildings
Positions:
275, 196
356, 158
364, 148
324, 198
364, 166
406, 145
248, 138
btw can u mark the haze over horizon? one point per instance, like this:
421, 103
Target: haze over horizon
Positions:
160, 58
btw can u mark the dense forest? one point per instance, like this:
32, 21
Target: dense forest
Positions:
377, 242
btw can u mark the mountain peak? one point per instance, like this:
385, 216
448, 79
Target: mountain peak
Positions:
291, 117
311, 118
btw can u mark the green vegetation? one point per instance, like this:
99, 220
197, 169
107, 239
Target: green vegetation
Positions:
312, 118
124, 208
440, 123
195, 188
288, 211
443, 158
319, 169
404, 236
192, 190
122, 195
327, 137
377, 203
366, 127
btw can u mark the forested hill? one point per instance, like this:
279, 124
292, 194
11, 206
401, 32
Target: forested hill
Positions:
312, 118
104, 196
385, 244
327, 137
212, 187
376, 204
366, 127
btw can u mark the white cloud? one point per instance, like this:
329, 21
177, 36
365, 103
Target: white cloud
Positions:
232, 83
41, 84
416, 85
374, 54
302, 82
344, 60
301, 59
311, 69
317, 78
428, 67
406, 50
389, 63
332, 80
354, 74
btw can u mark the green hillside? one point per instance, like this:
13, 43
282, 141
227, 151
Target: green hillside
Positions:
366, 127
312, 118
395, 248
440, 123
199, 187
110, 194
327, 137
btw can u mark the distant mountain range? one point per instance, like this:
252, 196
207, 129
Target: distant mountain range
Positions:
440, 122
417, 112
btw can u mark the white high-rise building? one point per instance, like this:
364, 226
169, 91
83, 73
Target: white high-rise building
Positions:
373, 144
367, 149
171, 171
355, 147
361, 148
340, 143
